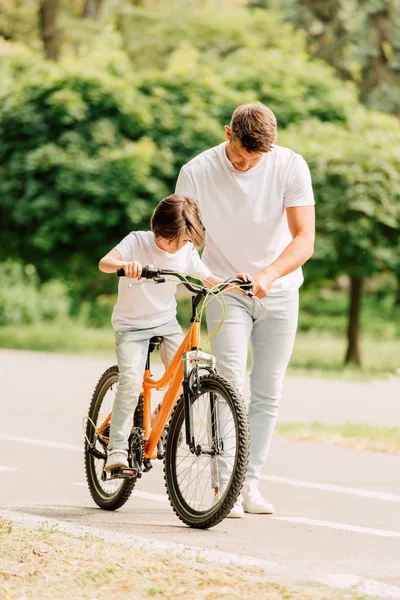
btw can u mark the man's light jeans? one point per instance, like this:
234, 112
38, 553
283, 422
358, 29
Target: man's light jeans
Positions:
131, 350
270, 327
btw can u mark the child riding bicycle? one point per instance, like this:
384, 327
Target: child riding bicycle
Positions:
146, 309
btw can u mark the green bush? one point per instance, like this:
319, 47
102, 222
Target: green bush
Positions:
24, 301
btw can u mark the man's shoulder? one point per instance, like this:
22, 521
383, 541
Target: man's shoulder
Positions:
202, 160
284, 154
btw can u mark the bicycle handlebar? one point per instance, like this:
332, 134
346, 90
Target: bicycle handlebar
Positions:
151, 272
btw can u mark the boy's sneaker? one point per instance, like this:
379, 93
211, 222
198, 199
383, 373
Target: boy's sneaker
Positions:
253, 502
116, 459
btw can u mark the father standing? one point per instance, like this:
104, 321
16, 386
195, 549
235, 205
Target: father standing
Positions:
257, 206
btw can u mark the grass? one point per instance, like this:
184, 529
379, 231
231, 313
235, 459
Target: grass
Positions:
46, 564
361, 436
314, 354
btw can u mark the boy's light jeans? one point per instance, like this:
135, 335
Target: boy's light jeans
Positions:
131, 350
270, 327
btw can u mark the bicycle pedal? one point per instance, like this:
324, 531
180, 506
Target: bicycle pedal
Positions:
124, 473
147, 464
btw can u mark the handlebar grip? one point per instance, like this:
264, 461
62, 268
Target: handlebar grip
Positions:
148, 272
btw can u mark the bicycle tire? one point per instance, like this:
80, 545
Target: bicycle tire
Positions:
204, 519
106, 501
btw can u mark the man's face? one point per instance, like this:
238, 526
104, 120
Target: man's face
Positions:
241, 159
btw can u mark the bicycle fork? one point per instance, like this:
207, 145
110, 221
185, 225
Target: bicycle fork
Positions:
193, 361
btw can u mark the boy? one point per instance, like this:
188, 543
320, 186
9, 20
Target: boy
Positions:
146, 309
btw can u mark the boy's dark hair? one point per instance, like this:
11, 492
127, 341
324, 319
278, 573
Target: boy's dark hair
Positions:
177, 215
254, 125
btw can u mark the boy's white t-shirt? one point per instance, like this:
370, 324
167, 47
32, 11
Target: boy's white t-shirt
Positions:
148, 304
244, 213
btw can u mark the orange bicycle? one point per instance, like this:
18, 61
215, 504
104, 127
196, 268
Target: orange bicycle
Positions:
205, 445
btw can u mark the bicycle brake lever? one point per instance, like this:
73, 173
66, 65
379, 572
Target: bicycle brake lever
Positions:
159, 279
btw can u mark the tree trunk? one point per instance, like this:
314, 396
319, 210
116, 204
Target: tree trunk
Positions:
92, 9
48, 14
353, 355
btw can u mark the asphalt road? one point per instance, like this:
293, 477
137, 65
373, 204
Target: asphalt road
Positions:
337, 510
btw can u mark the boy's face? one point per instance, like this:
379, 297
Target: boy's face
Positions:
173, 245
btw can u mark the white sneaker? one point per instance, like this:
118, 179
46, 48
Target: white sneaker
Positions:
253, 502
236, 511
115, 459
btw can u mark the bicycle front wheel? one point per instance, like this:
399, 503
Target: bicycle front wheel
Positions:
204, 482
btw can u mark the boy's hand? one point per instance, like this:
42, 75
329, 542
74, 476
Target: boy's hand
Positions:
132, 269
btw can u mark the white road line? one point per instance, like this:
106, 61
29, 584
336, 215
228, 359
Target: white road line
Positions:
327, 487
370, 587
331, 487
8, 468
342, 526
47, 443
330, 524
138, 493
347, 581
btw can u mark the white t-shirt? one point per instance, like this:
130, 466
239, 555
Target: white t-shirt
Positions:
244, 213
148, 304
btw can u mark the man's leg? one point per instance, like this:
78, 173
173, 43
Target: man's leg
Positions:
272, 342
230, 347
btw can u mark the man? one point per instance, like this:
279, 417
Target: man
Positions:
257, 206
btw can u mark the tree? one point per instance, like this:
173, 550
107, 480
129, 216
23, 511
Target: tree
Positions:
92, 9
359, 39
49, 29
77, 170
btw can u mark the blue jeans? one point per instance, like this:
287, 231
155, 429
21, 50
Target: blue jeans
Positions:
131, 350
270, 327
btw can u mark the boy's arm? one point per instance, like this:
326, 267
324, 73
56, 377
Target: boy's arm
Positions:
112, 261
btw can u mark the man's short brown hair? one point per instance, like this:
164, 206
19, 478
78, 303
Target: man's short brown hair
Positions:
177, 215
254, 125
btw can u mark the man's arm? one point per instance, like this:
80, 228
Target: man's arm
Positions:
301, 222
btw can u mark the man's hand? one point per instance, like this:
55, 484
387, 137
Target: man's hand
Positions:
132, 269
263, 282
247, 278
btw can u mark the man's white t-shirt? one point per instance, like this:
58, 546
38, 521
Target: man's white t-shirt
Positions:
244, 214
148, 304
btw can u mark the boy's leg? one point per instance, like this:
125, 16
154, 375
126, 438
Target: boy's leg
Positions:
131, 350
173, 337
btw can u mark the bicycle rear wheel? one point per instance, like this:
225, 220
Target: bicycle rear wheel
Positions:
204, 483
108, 494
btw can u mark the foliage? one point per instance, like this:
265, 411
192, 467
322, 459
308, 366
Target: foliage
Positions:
88, 148
24, 301
77, 170
357, 186
359, 39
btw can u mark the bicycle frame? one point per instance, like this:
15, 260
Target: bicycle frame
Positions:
173, 377
176, 374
